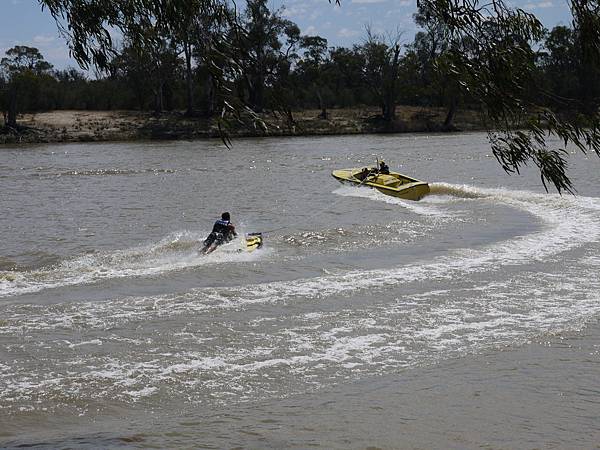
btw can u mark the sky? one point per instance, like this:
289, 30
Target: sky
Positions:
22, 22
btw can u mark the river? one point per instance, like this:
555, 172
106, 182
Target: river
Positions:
468, 319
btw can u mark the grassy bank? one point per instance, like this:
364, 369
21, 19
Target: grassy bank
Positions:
88, 126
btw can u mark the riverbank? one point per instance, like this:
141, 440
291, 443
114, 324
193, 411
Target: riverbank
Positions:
103, 126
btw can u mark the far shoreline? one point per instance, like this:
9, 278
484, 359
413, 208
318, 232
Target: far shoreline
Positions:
67, 126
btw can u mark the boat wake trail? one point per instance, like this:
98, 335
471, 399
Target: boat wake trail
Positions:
175, 252
375, 195
563, 219
289, 335
460, 191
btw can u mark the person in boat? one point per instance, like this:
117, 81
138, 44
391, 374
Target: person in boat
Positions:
223, 231
384, 168
364, 173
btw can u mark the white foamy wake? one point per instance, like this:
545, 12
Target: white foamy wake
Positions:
563, 218
280, 354
422, 207
174, 252
179, 250
281, 349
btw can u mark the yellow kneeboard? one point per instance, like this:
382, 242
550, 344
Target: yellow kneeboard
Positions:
253, 241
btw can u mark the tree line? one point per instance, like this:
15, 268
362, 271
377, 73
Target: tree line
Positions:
210, 59
279, 69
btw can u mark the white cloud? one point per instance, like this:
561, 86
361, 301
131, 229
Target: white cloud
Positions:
347, 33
311, 31
367, 1
40, 39
539, 5
58, 54
315, 15
295, 11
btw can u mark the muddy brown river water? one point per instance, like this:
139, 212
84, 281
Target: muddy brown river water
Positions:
468, 319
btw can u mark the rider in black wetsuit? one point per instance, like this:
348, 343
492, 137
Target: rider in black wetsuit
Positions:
223, 231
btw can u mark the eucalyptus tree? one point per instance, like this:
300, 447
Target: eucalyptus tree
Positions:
311, 68
430, 48
154, 54
22, 68
559, 65
586, 26
131, 67
4, 101
381, 70
498, 71
215, 56
184, 28
87, 26
429, 44
263, 37
345, 73
72, 86
196, 26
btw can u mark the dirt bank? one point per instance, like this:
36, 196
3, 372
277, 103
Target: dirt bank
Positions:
85, 126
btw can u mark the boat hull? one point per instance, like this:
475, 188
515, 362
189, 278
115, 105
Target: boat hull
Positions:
393, 184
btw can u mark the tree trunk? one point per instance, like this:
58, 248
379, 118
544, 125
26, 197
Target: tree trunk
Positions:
189, 79
322, 106
140, 99
389, 107
586, 26
256, 94
256, 84
209, 99
158, 99
290, 118
12, 107
448, 123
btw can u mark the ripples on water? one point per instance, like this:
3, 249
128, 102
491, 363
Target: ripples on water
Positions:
351, 284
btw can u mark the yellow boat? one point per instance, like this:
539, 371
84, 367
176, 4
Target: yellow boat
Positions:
392, 183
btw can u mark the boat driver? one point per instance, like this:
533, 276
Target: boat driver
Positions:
384, 168
223, 231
